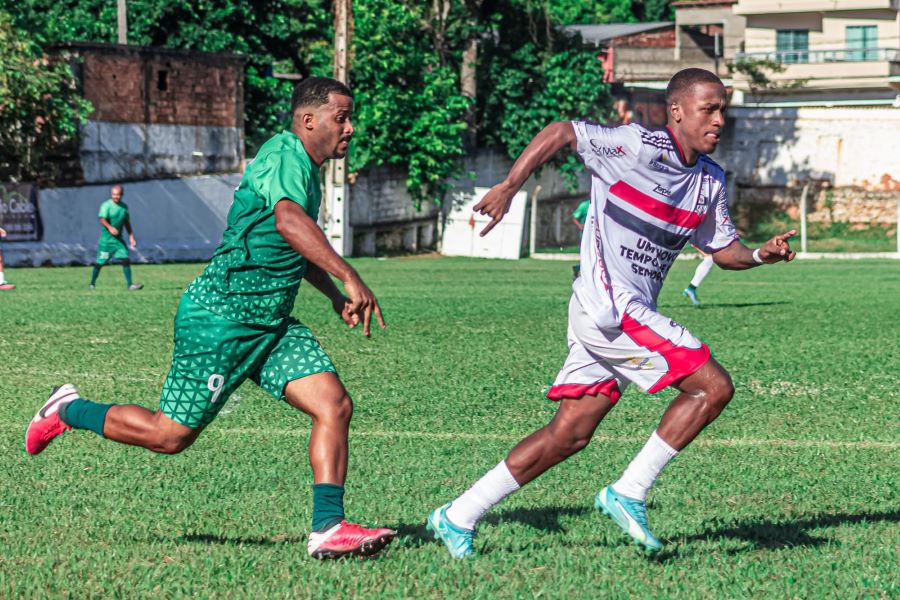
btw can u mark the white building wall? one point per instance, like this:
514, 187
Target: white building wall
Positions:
785, 146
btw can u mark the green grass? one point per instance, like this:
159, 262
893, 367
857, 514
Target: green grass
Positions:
793, 492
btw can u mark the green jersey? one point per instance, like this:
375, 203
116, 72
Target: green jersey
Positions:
116, 213
254, 274
581, 212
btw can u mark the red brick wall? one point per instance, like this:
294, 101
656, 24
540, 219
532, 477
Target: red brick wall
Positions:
154, 87
195, 94
115, 87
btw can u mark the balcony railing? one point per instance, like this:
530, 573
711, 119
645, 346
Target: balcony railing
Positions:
824, 56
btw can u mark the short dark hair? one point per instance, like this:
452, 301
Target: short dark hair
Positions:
313, 91
686, 79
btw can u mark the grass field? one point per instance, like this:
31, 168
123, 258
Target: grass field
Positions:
793, 492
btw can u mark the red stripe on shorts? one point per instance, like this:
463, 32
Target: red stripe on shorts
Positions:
574, 391
682, 361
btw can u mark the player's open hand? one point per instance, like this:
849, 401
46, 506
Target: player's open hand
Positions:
2, 232
495, 204
362, 306
133, 242
342, 306
778, 249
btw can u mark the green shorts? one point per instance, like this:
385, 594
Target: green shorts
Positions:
109, 250
213, 356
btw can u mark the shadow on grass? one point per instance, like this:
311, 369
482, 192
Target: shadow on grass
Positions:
208, 538
545, 519
766, 535
706, 305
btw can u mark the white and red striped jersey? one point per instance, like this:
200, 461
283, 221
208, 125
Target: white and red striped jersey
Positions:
646, 204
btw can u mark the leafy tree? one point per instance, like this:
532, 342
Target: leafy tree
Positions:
39, 106
759, 71
409, 110
535, 74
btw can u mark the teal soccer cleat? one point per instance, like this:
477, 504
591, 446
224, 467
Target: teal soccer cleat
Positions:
691, 293
630, 515
458, 540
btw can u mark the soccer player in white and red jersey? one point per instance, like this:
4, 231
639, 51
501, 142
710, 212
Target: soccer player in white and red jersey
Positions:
652, 192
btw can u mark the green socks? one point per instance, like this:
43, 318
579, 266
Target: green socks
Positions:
84, 414
94, 274
328, 505
127, 271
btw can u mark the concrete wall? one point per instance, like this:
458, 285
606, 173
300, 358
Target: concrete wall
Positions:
850, 153
732, 24
784, 146
384, 218
126, 151
173, 220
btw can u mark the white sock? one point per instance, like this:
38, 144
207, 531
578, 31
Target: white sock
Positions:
2, 278
497, 484
638, 478
702, 271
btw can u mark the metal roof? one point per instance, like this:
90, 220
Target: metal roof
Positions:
597, 34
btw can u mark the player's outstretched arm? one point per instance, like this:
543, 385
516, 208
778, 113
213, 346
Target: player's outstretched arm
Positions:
304, 236
539, 151
737, 256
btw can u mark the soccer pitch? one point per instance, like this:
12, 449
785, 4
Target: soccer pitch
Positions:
793, 492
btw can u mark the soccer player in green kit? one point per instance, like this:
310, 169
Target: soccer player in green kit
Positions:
233, 322
114, 216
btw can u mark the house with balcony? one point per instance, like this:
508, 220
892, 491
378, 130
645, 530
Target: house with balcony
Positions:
836, 52
640, 58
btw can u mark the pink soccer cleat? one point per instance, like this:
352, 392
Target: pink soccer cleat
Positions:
46, 424
348, 539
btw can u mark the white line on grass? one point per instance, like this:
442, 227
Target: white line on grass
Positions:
452, 435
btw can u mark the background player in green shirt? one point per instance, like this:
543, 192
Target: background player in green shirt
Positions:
579, 215
114, 216
233, 322
579, 218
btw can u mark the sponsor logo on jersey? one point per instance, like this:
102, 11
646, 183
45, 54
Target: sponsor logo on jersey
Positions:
659, 166
607, 151
661, 190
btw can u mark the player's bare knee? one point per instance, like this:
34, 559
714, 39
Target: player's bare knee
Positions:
716, 395
173, 443
338, 409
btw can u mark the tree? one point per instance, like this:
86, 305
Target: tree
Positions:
759, 71
40, 107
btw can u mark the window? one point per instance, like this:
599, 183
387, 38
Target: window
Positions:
862, 42
792, 45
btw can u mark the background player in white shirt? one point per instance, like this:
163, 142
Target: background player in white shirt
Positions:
652, 192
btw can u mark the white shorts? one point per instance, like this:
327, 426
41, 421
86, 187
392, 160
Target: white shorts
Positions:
648, 349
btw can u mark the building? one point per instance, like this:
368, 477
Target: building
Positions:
640, 58
158, 113
840, 52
